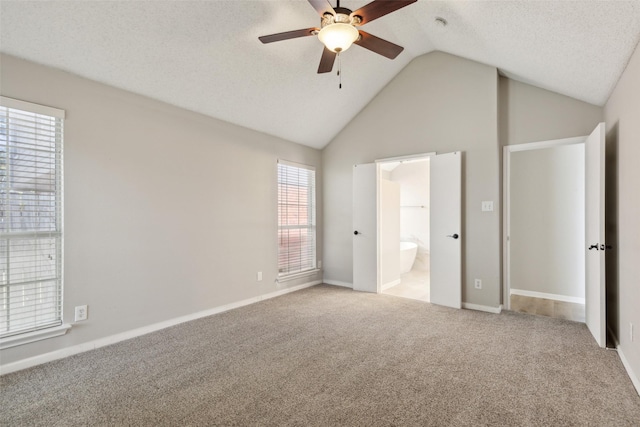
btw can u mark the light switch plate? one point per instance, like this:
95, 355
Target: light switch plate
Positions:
487, 206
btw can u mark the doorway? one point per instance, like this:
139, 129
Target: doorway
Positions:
554, 226
445, 236
546, 236
404, 207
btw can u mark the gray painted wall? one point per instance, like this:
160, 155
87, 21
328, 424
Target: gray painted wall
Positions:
622, 116
547, 220
441, 103
444, 103
156, 228
167, 212
531, 114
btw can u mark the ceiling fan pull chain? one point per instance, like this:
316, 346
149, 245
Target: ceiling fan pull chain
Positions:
339, 71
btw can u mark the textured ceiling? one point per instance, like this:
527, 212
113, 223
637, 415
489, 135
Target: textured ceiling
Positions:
205, 55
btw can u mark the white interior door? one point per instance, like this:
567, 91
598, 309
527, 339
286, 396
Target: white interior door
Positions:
594, 234
446, 227
365, 237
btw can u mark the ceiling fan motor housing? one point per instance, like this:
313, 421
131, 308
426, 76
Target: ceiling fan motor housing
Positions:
342, 16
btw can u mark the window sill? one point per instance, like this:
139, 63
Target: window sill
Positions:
294, 276
34, 336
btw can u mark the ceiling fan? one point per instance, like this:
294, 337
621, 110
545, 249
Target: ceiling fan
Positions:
338, 30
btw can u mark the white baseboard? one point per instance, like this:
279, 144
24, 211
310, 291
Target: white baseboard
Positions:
390, 284
338, 283
627, 366
478, 307
112, 339
555, 297
632, 376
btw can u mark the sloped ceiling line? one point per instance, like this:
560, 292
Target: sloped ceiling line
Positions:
205, 55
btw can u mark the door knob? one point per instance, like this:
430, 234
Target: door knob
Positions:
600, 247
356, 232
453, 236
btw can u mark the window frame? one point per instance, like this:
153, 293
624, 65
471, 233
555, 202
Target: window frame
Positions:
55, 325
310, 225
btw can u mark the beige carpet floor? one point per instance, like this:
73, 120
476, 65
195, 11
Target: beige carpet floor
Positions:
328, 356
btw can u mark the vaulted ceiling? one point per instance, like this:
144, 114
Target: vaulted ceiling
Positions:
205, 55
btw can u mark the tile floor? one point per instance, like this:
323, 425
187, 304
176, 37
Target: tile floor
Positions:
415, 283
547, 307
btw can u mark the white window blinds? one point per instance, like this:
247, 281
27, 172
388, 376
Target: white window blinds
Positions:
30, 217
296, 218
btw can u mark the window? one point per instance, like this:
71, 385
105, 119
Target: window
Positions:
296, 218
30, 217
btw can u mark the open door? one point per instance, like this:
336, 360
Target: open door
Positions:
446, 226
594, 234
365, 228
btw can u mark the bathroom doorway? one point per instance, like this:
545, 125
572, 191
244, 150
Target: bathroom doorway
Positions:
404, 233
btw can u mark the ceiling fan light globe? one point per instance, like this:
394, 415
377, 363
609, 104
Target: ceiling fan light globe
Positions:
338, 37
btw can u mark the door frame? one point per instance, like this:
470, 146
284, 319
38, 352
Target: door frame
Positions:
379, 163
506, 205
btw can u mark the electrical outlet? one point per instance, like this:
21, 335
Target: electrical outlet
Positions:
478, 284
631, 331
319, 265
81, 313
487, 206
259, 277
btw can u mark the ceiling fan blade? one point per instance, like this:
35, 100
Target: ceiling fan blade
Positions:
378, 8
326, 62
378, 45
288, 35
322, 7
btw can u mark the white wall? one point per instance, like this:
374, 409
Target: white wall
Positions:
547, 220
389, 237
441, 103
622, 116
413, 178
167, 212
